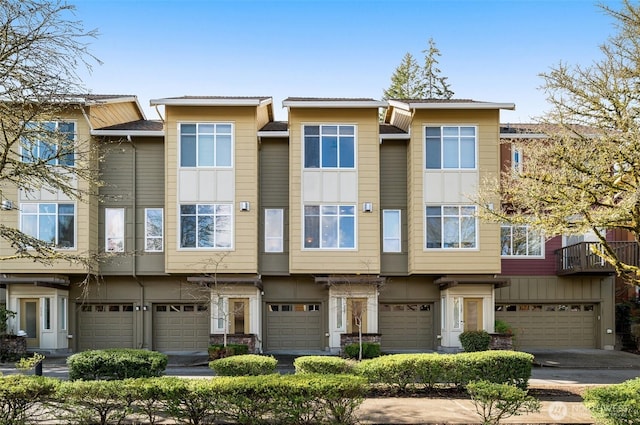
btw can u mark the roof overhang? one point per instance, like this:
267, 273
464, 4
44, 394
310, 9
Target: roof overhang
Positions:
90, 102
355, 279
334, 104
523, 136
451, 105
45, 281
204, 101
273, 134
226, 280
446, 282
125, 133
395, 136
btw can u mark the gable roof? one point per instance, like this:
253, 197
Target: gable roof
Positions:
408, 104
333, 102
133, 128
212, 101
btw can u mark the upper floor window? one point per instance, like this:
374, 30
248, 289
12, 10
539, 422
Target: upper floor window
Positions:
329, 146
450, 147
274, 230
114, 229
329, 226
206, 226
153, 230
451, 226
391, 231
49, 222
206, 145
516, 158
520, 241
49, 141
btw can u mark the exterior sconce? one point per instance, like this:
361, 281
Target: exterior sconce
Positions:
145, 308
245, 206
6, 205
367, 207
137, 308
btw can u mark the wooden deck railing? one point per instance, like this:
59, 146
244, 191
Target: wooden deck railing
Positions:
581, 258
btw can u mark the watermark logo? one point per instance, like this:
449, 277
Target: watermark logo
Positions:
558, 410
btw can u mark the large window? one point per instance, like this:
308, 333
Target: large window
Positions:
520, 241
329, 226
114, 229
274, 230
50, 141
49, 222
451, 226
450, 147
329, 146
206, 226
153, 230
206, 145
391, 231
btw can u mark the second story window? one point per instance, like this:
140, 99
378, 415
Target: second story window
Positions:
49, 222
51, 142
516, 158
391, 231
153, 230
206, 145
274, 230
451, 226
114, 229
450, 147
329, 146
329, 226
520, 241
206, 226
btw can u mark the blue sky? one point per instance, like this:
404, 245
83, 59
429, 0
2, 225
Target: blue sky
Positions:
491, 50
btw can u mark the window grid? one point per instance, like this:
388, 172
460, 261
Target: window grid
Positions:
114, 229
451, 227
153, 229
206, 145
49, 141
49, 222
329, 226
206, 226
520, 241
450, 147
329, 146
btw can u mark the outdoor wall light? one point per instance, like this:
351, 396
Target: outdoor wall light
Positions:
245, 206
137, 308
367, 207
145, 308
6, 205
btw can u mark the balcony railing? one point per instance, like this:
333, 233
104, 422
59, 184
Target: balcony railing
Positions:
581, 258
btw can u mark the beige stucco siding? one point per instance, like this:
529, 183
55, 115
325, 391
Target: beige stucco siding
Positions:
104, 115
242, 258
484, 259
365, 258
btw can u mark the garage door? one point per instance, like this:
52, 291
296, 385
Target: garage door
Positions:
105, 326
293, 327
181, 327
570, 325
406, 327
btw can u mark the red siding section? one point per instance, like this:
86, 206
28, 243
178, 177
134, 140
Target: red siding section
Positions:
534, 267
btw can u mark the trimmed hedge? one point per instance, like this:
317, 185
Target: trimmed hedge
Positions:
429, 369
24, 398
244, 365
219, 351
322, 365
615, 404
370, 350
475, 341
117, 363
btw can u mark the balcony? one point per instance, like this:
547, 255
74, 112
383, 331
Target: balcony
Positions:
580, 258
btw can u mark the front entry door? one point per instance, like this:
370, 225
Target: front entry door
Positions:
29, 320
473, 314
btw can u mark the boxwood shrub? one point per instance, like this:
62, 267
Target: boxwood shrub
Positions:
475, 341
117, 363
370, 350
247, 364
218, 351
615, 404
20, 394
322, 365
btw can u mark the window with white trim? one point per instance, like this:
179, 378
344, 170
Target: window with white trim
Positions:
391, 231
153, 229
63, 313
114, 229
450, 147
206, 225
451, 226
206, 144
46, 314
52, 142
329, 146
329, 226
520, 241
516, 158
50, 222
274, 230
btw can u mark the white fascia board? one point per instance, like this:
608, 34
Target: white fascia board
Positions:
334, 104
273, 134
112, 100
451, 105
395, 136
125, 133
210, 102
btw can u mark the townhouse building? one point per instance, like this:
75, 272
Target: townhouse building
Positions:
220, 221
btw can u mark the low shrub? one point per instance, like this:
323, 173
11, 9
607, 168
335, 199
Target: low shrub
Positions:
23, 398
247, 364
475, 341
194, 401
219, 351
502, 327
494, 402
95, 402
395, 370
615, 404
322, 365
152, 396
370, 350
117, 363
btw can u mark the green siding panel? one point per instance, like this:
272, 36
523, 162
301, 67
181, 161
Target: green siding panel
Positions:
393, 195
